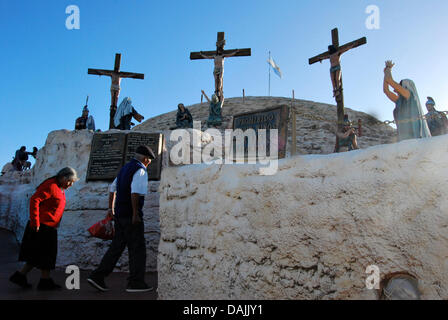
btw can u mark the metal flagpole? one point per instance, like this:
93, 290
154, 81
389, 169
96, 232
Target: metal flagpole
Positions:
269, 67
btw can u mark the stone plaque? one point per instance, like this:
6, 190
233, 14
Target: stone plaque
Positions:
106, 156
109, 152
272, 118
152, 140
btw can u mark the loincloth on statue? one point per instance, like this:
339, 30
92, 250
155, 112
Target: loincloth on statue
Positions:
218, 71
115, 87
335, 68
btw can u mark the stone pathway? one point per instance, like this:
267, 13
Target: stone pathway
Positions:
9, 251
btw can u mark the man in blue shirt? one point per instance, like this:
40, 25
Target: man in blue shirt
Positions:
126, 199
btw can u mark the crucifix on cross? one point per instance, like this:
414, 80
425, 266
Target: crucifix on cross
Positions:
218, 56
116, 76
334, 54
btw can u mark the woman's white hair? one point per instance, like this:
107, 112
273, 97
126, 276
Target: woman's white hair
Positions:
68, 173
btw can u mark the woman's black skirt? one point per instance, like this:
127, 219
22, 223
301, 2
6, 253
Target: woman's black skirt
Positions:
39, 249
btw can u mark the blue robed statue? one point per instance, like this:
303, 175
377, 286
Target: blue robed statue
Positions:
215, 109
183, 117
408, 113
437, 121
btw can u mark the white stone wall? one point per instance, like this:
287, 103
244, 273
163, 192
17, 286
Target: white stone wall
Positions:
309, 231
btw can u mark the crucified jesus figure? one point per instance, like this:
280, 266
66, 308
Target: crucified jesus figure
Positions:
335, 70
218, 71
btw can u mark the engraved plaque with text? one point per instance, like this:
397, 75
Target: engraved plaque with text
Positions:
106, 156
109, 152
152, 140
272, 118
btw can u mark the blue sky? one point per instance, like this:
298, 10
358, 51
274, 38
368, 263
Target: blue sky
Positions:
45, 80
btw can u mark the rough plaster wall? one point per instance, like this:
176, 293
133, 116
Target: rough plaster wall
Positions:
309, 231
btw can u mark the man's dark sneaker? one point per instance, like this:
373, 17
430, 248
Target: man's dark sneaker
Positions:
47, 285
138, 287
20, 280
97, 283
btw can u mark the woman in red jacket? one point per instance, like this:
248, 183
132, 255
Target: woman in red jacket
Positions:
40, 240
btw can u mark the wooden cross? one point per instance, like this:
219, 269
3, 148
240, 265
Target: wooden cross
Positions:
116, 76
219, 56
326, 55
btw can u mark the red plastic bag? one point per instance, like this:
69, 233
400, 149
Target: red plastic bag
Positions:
103, 229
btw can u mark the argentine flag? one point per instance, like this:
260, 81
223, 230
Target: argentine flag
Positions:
274, 66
